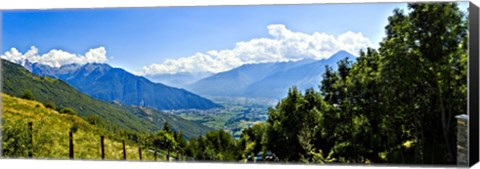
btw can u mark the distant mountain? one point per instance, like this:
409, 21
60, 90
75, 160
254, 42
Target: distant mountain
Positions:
267, 80
236, 81
104, 82
305, 76
180, 80
17, 79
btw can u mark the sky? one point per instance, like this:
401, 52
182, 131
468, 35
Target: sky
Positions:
165, 40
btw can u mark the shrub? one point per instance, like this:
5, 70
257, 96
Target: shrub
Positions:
50, 105
74, 128
68, 110
94, 120
27, 94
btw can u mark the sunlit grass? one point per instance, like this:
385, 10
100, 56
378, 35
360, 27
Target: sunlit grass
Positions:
51, 133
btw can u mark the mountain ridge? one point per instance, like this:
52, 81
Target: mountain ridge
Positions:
267, 80
17, 79
107, 83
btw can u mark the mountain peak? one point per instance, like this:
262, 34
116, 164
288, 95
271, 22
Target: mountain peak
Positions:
341, 54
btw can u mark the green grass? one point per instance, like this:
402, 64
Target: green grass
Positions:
50, 134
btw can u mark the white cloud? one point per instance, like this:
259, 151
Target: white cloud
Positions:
56, 58
284, 45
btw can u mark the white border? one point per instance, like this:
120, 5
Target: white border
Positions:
56, 4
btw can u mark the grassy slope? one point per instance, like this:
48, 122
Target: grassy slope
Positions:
45, 89
51, 128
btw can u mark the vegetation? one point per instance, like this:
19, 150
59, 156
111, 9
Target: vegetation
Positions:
68, 111
50, 134
216, 145
27, 94
114, 117
394, 105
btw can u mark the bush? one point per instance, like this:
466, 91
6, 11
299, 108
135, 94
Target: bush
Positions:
68, 110
94, 120
27, 94
50, 105
74, 128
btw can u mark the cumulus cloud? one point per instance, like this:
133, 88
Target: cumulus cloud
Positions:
283, 45
56, 58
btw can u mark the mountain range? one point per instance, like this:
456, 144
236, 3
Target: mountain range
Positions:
263, 80
267, 80
17, 79
103, 82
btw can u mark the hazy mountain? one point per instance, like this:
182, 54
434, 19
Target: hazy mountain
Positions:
16, 80
305, 76
267, 80
236, 81
104, 82
180, 80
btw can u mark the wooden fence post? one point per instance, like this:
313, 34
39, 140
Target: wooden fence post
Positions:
71, 144
140, 152
30, 128
124, 152
103, 147
155, 155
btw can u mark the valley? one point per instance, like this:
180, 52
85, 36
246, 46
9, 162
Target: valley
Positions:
237, 114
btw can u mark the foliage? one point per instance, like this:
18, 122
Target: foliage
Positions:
16, 140
164, 140
68, 111
421, 64
252, 139
50, 105
395, 104
216, 145
27, 94
50, 134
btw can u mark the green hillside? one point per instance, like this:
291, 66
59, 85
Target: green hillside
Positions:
17, 80
51, 134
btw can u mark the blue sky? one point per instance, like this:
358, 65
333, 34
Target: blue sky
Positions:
135, 38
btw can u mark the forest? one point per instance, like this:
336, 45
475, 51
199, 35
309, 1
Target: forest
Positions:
395, 104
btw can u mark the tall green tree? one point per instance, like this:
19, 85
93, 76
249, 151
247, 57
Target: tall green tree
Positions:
252, 140
164, 140
424, 57
366, 106
294, 124
181, 143
284, 122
